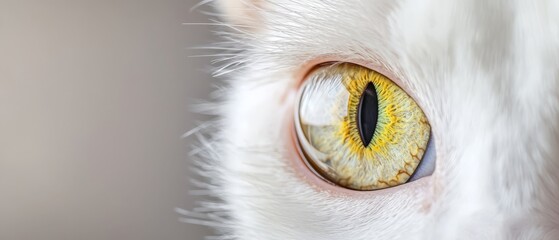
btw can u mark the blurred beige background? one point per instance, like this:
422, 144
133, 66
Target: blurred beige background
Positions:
94, 97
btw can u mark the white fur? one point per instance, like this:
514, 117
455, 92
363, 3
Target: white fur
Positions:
486, 73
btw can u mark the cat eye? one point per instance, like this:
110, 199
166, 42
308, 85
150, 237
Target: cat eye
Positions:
357, 129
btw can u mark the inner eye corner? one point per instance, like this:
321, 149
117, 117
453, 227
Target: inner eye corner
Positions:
323, 101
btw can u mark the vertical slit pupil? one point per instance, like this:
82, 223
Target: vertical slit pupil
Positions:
367, 114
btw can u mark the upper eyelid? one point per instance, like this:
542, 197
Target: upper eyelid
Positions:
386, 68
379, 65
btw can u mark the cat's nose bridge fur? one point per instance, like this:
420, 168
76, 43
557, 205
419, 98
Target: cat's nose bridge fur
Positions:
500, 151
503, 161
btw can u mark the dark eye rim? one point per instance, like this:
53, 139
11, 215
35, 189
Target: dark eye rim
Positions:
303, 158
306, 173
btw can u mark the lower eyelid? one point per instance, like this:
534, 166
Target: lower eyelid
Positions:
296, 164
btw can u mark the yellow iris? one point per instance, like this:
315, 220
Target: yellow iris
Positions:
331, 135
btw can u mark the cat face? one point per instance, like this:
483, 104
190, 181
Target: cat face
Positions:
485, 73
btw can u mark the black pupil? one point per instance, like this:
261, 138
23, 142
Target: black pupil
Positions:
367, 114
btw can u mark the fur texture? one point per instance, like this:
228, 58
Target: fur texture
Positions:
486, 73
